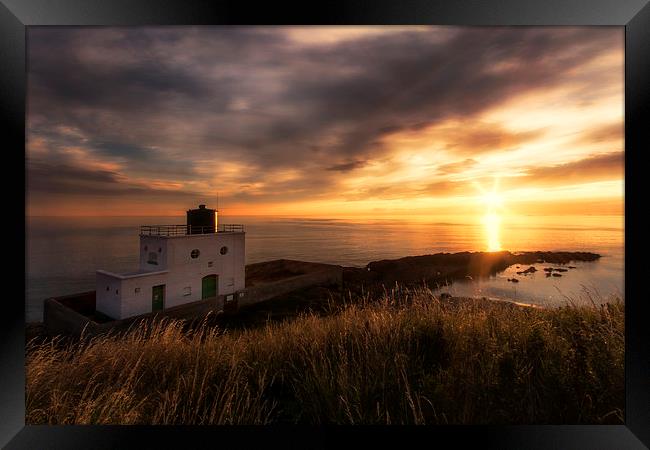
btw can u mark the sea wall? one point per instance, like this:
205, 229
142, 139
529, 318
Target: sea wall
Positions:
332, 275
59, 318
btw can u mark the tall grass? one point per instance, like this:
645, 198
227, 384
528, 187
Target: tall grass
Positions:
408, 358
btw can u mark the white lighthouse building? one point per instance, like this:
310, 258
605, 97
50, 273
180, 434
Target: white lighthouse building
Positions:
179, 264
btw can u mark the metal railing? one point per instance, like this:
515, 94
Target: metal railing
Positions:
182, 230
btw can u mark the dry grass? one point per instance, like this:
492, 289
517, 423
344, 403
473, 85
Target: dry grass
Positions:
408, 358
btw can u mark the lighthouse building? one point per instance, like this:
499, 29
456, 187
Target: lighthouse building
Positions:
179, 264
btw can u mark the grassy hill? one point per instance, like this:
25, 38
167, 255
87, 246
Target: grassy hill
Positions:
405, 358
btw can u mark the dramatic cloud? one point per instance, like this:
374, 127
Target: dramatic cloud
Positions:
610, 133
347, 167
456, 167
608, 166
311, 113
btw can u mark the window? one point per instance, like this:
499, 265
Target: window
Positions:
230, 297
117, 291
153, 258
187, 290
209, 263
195, 253
223, 250
108, 288
137, 290
159, 249
241, 294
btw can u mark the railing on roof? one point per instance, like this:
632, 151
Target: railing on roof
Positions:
182, 230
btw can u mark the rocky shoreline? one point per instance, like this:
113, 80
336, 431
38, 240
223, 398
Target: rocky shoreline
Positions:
432, 270
442, 268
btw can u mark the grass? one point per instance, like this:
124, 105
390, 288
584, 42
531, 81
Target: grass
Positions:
406, 358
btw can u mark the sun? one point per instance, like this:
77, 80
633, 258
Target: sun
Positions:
492, 200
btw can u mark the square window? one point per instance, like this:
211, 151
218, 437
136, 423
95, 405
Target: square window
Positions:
137, 290
153, 258
229, 298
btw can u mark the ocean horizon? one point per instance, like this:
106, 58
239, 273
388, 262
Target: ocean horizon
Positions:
63, 253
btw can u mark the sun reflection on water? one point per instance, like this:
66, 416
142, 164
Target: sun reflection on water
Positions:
492, 220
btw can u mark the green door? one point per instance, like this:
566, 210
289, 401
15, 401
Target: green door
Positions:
209, 286
158, 298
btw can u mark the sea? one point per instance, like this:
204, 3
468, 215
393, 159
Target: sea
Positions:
63, 253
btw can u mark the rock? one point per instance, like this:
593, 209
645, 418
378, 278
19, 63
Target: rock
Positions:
548, 269
572, 267
561, 270
531, 269
445, 295
557, 274
513, 280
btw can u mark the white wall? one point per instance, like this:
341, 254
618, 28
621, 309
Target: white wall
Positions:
156, 245
136, 303
181, 272
184, 269
108, 294
121, 299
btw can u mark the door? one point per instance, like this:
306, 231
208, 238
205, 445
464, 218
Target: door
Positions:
209, 286
158, 298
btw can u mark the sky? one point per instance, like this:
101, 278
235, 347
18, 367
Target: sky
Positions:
377, 121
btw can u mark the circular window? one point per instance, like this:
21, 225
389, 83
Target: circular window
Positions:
195, 253
223, 250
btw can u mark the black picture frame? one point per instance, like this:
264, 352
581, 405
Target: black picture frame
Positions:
634, 15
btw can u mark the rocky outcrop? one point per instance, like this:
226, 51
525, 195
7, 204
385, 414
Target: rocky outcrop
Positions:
531, 269
441, 268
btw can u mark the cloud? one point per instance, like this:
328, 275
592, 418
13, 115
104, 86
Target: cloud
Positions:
347, 167
165, 103
606, 166
456, 167
481, 138
604, 133
75, 181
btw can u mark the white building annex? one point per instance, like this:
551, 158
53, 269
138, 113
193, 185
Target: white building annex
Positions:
179, 264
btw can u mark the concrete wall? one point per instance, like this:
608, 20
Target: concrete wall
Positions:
266, 291
59, 319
